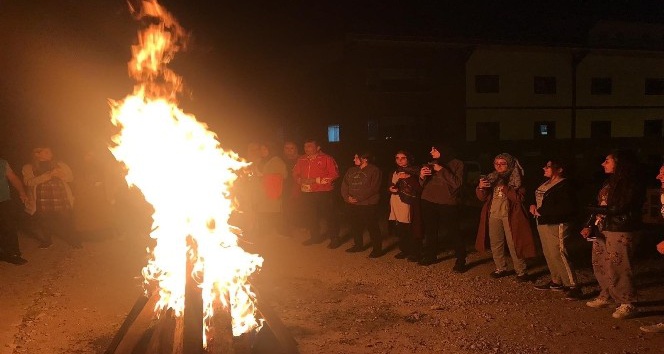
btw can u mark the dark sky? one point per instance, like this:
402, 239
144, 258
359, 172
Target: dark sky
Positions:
246, 65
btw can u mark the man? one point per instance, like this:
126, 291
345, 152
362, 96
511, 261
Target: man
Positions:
50, 196
8, 232
441, 181
315, 173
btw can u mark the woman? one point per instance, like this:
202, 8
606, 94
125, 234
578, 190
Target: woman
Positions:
554, 210
504, 218
441, 181
615, 220
405, 192
360, 188
658, 327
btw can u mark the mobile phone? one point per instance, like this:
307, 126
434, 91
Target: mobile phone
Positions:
482, 176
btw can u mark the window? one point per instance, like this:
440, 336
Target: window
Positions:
544, 85
545, 130
487, 83
600, 129
333, 133
487, 131
600, 86
652, 128
654, 86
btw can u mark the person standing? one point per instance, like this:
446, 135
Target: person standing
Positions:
614, 222
554, 210
291, 195
441, 182
9, 246
360, 188
50, 197
272, 173
315, 173
405, 191
658, 327
504, 218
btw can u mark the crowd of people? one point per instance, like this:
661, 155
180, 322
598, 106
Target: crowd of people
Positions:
424, 204
282, 191
46, 191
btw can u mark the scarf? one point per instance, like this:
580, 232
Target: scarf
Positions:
512, 177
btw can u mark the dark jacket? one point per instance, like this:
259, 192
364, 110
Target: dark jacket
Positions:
444, 186
621, 218
558, 204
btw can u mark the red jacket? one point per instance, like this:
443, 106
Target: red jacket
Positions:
316, 173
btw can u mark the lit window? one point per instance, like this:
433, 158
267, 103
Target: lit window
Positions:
544, 130
333, 133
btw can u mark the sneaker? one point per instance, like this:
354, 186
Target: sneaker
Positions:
15, 259
459, 268
375, 254
656, 328
499, 274
334, 244
401, 255
312, 241
625, 311
427, 261
413, 258
355, 249
598, 303
522, 278
574, 293
550, 286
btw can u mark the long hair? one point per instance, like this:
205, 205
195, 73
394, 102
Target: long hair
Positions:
623, 182
410, 167
558, 163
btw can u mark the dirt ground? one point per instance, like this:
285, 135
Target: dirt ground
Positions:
74, 300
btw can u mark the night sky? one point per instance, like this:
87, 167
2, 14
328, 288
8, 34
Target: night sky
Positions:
249, 63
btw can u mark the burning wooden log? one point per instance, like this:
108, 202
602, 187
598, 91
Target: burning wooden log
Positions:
144, 333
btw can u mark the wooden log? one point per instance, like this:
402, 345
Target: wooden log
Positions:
134, 326
287, 343
193, 307
167, 335
220, 331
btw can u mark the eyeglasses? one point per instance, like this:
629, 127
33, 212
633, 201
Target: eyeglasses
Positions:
500, 163
400, 157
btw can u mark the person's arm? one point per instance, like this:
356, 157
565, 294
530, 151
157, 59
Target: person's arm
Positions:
16, 182
331, 172
344, 187
483, 191
452, 174
63, 172
29, 178
515, 195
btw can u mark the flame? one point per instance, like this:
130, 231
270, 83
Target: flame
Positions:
182, 171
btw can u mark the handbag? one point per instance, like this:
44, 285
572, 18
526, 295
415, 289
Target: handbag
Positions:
406, 192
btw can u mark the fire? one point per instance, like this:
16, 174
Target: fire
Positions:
185, 175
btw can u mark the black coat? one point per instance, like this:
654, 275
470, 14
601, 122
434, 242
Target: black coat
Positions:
558, 205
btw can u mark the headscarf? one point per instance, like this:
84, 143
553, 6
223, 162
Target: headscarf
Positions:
512, 177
